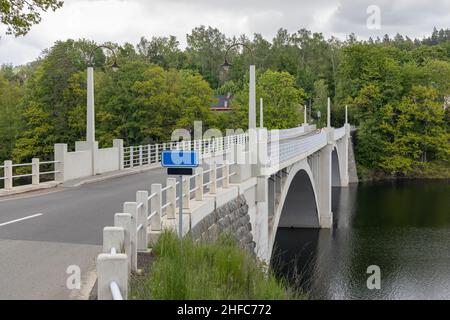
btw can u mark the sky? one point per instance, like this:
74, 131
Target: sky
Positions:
128, 20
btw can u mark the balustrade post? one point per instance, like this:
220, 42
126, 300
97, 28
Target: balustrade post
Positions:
8, 174
142, 236
131, 208
226, 175
155, 206
171, 197
131, 157
124, 220
186, 192
199, 184
35, 171
213, 178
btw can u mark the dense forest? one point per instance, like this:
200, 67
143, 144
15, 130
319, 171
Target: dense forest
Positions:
397, 90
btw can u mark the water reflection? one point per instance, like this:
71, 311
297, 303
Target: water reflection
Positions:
403, 227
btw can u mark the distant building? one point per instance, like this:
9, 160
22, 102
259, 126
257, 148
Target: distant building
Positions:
447, 102
223, 103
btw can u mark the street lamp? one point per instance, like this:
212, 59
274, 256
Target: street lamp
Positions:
252, 83
90, 115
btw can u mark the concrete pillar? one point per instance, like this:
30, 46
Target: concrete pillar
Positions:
171, 196
60, 152
345, 156
140, 156
263, 160
124, 221
324, 187
226, 175
90, 116
329, 113
142, 237
113, 237
305, 116
8, 170
131, 157
155, 206
131, 208
35, 171
252, 99
112, 268
262, 218
118, 143
199, 184
261, 113
186, 192
346, 114
213, 178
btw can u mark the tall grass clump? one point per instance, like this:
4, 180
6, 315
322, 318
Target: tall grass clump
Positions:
221, 270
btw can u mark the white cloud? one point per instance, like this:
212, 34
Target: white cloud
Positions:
127, 20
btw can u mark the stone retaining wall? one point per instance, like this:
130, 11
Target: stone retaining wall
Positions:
232, 218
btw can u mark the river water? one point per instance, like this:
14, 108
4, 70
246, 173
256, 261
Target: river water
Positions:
403, 227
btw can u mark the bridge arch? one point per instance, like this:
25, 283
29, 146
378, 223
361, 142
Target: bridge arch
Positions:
335, 167
298, 205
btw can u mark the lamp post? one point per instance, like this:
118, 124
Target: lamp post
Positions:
252, 83
90, 113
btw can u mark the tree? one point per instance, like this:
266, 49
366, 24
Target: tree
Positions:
163, 51
420, 138
320, 102
20, 15
283, 102
206, 49
10, 96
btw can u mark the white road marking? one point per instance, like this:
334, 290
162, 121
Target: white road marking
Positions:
21, 219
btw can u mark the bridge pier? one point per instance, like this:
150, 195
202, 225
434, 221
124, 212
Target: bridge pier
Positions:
324, 183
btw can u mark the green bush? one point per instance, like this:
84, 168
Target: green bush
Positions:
207, 271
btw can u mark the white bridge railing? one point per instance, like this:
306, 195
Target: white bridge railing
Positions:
34, 171
151, 154
339, 133
146, 217
285, 150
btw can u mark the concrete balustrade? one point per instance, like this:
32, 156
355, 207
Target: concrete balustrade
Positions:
142, 215
186, 192
112, 269
212, 178
155, 205
8, 169
35, 174
35, 171
171, 196
132, 209
143, 220
124, 221
199, 184
114, 238
118, 143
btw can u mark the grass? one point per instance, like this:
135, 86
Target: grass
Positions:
207, 271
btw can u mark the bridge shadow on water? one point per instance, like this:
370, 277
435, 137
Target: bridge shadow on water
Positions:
401, 226
299, 254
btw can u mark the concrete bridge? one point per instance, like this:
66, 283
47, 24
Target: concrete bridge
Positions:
251, 184
251, 187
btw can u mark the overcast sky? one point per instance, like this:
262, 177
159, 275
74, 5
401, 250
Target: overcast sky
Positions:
127, 20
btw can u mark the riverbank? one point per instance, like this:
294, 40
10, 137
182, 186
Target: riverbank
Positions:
218, 270
373, 175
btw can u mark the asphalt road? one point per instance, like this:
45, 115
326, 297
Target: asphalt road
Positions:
42, 235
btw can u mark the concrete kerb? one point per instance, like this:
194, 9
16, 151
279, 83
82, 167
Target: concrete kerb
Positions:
113, 175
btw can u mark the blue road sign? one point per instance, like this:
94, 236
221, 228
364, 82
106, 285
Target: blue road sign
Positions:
179, 159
